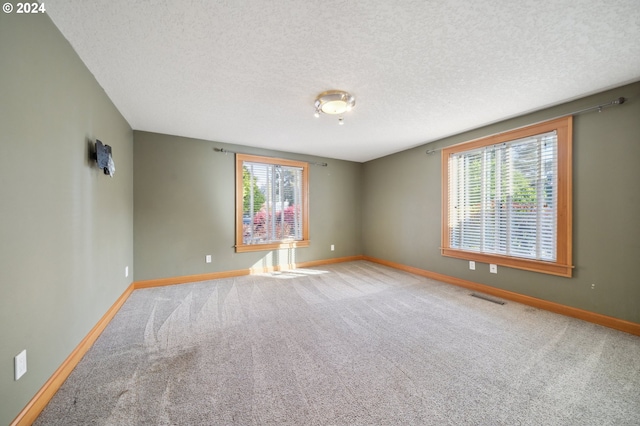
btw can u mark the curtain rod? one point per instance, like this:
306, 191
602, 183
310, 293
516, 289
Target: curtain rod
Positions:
600, 107
226, 151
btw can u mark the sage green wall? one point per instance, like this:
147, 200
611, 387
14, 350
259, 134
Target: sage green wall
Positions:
402, 210
66, 229
185, 208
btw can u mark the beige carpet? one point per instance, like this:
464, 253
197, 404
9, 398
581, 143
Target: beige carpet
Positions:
348, 344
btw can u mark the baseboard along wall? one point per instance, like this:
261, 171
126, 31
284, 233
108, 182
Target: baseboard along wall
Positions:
239, 272
604, 320
31, 411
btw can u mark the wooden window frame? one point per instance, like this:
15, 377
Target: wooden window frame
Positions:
562, 265
284, 244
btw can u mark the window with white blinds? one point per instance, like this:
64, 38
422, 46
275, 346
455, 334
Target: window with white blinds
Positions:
271, 204
508, 199
503, 200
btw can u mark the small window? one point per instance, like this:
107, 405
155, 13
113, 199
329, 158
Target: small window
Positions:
271, 203
507, 199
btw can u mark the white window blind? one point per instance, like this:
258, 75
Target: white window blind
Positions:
272, 203
503, 198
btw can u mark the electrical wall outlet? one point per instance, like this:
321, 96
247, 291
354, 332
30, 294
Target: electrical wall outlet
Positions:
126, 271
208, 258
20, 364
493, 268
333, 247
472, 265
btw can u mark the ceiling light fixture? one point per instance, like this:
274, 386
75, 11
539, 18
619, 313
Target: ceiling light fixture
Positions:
334, 102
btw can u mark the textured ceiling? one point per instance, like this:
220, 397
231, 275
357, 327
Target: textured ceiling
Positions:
247, 71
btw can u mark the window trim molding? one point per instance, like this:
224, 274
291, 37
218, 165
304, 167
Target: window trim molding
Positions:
240, 246
563, 264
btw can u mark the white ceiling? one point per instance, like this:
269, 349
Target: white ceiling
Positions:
247, 71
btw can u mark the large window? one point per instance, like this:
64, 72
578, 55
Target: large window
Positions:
507, 199
271, 203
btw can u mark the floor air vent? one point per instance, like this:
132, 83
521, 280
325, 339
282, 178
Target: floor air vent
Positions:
488, 298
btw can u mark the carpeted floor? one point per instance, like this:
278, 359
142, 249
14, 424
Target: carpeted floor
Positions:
347, 344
